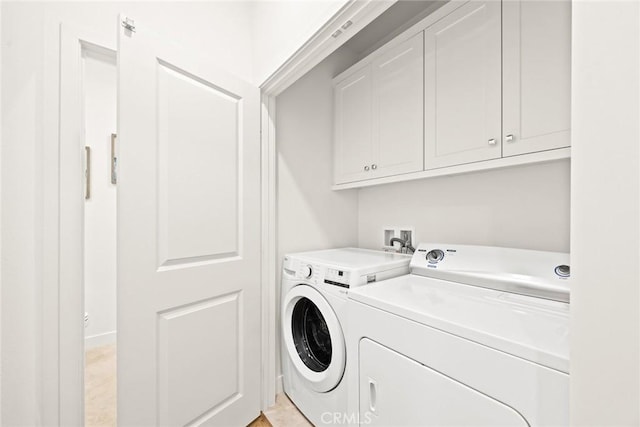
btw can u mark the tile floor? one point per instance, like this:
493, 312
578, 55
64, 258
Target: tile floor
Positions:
100, 395
285, 414
100, 386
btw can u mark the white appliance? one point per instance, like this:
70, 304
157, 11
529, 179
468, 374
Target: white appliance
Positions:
474, 336
314, 297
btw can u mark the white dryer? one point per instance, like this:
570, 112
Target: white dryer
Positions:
314, 296
474, 336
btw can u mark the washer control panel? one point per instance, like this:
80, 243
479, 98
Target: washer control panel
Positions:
338, 270
523, 271
320, 274
435, 255
336, 277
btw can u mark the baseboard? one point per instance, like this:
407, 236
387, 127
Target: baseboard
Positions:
279, 384
100, 339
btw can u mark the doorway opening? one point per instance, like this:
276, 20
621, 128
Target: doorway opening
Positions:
99, 97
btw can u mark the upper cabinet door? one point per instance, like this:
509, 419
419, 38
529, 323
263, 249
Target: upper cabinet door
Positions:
463, 86
398, 98
353, 126
537, 75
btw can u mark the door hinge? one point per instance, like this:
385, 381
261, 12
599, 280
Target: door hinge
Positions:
129, 24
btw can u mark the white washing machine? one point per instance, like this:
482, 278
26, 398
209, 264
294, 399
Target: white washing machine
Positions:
314, 296
473, 336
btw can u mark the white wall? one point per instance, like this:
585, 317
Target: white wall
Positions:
100, 209
310, 215
282, 27
605, 255
222, 29
522, 207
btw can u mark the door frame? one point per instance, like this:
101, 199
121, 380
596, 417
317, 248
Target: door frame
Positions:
63, 214
322, 44
62, 275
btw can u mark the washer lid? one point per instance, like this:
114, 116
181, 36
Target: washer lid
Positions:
531, 328
362, 261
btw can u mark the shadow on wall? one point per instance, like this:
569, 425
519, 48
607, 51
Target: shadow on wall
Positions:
310, 214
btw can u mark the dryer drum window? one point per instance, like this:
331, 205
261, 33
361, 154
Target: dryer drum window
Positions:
311, 335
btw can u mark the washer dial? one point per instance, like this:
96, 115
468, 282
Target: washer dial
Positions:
306, 271
563, 270
435, 255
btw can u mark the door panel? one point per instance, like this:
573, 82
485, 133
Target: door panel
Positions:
198, 139
396, 390
353, 127
463, 86
398, 109
537, 75
188, 238
212, 385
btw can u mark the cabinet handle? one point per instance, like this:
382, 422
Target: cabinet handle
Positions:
509, 138
374, 166
366, 168
492, 141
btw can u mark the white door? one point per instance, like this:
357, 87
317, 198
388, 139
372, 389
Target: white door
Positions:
353, 126
463, 86
398, 391
537, 75
398, 109
188, 238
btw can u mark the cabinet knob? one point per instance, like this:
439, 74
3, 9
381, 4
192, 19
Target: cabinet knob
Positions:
374, 166
366, 168
492, 141
509, 138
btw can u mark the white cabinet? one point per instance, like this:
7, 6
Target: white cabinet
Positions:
463, 86
379, 115
475, 85
537, 75
398, 109
353, 148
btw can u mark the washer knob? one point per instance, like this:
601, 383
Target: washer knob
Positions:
306, 271
563, 270
435, 255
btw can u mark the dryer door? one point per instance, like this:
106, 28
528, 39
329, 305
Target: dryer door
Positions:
313, 338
